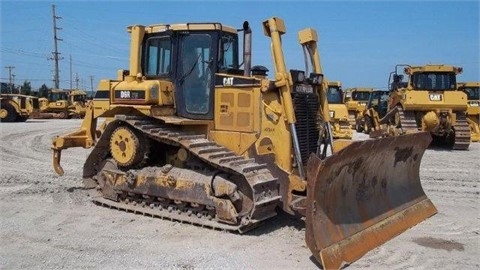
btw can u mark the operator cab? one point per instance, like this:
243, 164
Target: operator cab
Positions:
189, 55
334, 94
379, 102
57, 95
434, 81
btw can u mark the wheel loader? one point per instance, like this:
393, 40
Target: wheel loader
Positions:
17, 108
356, 105
473, 109
195, 136
429, 101
338, 111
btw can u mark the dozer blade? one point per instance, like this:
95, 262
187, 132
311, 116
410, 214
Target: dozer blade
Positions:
363, 196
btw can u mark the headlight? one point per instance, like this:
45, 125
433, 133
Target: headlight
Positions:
298, 76
316, 79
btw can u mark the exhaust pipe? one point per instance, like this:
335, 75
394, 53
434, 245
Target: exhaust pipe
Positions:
247, 48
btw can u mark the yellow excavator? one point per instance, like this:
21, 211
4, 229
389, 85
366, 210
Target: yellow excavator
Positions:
473, 109
338, 111
196, 137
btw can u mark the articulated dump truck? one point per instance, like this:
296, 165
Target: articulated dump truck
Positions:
196, 137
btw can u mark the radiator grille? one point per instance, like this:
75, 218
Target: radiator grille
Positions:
306, 107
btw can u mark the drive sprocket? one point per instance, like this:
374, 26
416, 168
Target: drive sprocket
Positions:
128, 147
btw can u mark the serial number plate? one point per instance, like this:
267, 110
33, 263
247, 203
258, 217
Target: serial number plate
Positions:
435, 97
332, 114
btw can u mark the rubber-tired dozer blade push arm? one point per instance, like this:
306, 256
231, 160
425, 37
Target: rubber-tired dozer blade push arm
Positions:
363, 196
84, 137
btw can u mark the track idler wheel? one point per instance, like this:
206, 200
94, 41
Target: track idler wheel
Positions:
128, 147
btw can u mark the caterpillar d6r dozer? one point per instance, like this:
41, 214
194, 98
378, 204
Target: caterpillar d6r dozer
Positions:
472, 89
194, 138
429, 101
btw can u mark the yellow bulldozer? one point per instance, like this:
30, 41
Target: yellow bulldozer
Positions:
63, 104
338, 111
356, 103
429, 101
374, 113
196, 137
78, 103
17, 108
473, 109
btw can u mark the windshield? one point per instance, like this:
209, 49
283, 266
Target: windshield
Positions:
158, 54
79, 98
57, 96
228, 57
472, 93
434, 81
360, 96
334, 95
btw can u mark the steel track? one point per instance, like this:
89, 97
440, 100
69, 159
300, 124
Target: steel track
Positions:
265, 187
462, 132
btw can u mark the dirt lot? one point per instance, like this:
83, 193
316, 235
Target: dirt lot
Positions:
48, 222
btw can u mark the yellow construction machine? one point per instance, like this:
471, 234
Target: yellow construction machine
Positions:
195, 137
78, 103
429, 101
356, 104
338, 111
375, 113
63, 104
473, 109
17, 108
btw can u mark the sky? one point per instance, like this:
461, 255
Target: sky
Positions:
360, 42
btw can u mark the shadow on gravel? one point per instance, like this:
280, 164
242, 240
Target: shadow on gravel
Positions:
281, 220
72, 189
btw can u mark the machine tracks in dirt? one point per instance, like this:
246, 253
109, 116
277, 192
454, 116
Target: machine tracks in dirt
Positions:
263, 185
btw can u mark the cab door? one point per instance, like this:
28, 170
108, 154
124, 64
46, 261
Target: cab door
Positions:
195, 75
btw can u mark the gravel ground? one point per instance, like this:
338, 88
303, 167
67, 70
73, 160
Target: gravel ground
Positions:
48, 222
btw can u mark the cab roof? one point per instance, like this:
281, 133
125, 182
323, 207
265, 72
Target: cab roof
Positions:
159, 28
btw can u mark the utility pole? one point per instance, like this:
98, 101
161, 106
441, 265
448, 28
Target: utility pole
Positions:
13, 82
71, 82
91, 86
10, 81
56, 54
76, 80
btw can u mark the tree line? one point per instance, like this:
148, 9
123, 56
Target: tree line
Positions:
25, 89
